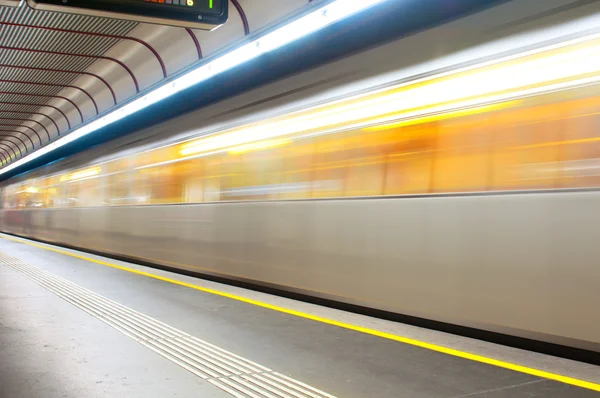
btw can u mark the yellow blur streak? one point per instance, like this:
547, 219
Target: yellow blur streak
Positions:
417, 343
530, 74
448, 115
555, 143
93, 171
259, 146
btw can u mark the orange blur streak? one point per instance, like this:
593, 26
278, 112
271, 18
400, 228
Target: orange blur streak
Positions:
349, 163
555, 143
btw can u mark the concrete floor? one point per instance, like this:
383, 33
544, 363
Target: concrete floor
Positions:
51, 348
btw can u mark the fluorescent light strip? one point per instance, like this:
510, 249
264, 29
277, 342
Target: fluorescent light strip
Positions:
331, 13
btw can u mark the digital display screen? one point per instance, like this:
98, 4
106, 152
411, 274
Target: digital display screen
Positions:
188, 13
202, 6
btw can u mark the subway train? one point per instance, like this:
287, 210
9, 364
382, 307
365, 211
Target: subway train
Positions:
451, 175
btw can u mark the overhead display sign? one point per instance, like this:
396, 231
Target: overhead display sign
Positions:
197, 14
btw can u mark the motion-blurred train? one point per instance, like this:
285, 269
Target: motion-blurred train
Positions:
451, 175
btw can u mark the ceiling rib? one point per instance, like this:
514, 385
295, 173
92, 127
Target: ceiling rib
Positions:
54, 85
69, 54
4, 157
7, 136
11, 148
240, 10
40, 106
14, 136
112, 91
24, 126
32, 113
6, 146
96, 34
20, 119
47, 96
196, 42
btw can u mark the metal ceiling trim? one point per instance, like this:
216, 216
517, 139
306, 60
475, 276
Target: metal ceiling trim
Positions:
17, 131
40, 106
29, 15
6, 142
196, 42
96, 34
32, 113
27, 120
7, 136
24, 126
112, 91
47, 96
54, 85
3, 145
69, 54
242, 13
4, 152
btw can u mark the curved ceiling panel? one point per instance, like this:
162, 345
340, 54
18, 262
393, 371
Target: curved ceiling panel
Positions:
58, 70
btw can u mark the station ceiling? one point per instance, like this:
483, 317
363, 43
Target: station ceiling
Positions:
58, 71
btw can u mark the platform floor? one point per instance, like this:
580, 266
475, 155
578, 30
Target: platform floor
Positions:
74, 324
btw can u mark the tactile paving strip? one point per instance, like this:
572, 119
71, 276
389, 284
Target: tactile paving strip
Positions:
232, 373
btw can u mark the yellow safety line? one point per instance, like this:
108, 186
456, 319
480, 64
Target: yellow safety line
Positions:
433, 347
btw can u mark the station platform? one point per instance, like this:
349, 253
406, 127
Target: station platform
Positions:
73, 324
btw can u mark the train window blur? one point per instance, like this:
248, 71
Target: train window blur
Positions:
544, 142
194, 181
409, 159
580, 149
